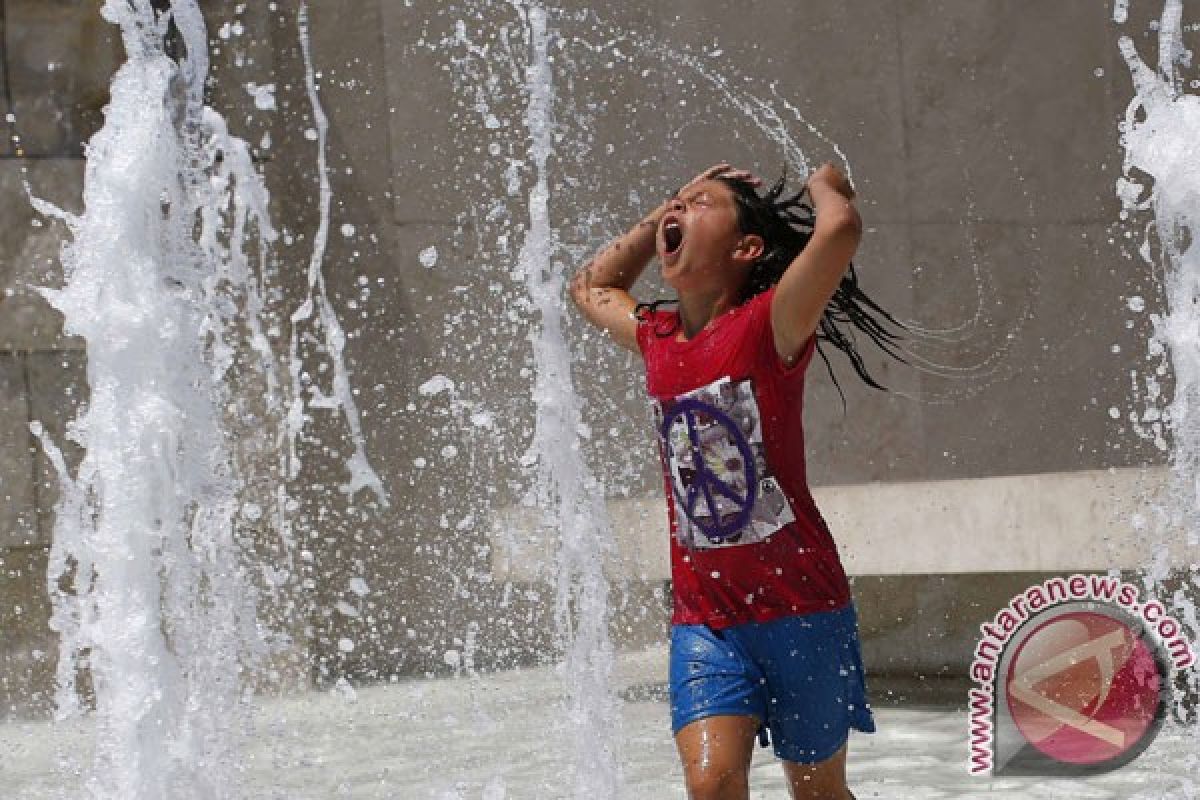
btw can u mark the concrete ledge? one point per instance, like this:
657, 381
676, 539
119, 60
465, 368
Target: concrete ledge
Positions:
1051, 522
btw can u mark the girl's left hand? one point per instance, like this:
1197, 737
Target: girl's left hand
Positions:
831, 177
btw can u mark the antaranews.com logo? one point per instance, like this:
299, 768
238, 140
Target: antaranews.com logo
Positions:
1074, 678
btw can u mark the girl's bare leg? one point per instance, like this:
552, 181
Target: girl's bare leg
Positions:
825, 780
716, 753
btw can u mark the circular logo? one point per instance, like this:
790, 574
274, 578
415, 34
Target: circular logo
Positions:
1087, 687
714, 476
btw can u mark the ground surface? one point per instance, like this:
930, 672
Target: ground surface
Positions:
503, 736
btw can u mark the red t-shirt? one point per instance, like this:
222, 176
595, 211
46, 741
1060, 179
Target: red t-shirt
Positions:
748, 543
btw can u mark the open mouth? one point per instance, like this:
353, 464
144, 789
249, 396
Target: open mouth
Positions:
672, 236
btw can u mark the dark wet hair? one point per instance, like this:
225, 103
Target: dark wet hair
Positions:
785, 222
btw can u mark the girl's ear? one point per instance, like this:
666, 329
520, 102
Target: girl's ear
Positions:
749, 247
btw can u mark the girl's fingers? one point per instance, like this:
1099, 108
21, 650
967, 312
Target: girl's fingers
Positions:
707, 175
727, 171
744, 176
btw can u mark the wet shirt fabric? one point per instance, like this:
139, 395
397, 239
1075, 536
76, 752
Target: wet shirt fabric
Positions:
747, 541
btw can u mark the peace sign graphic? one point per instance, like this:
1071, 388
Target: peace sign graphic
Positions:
705, 496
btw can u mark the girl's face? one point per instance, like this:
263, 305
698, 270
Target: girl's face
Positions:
699, 244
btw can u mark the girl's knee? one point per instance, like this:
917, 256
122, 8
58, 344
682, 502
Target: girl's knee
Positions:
826, 793
713, 782
825, 780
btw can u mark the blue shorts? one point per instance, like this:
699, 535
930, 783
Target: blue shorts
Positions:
801, 676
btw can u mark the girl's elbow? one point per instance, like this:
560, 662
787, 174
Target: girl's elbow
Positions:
842, 225
578, 288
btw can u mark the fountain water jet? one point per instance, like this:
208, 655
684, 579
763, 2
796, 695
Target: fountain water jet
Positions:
1161, 177
568, 493
156, 561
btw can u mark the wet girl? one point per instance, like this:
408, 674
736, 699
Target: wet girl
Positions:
764, 634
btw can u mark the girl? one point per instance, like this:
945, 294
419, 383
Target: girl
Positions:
764, 632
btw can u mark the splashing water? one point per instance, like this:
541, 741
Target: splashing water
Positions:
144, 531
566, 489
156, 502
152, 568
1161, 176
1158, 134
362, 475
504, 65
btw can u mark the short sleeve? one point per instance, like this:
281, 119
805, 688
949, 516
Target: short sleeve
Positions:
643, 333
649, 327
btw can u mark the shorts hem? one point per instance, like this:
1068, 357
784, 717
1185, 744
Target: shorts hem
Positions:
713, 712
809, 757
815, 757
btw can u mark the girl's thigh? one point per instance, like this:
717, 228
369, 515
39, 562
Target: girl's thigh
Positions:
716, 752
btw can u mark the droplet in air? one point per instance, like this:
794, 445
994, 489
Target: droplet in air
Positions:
264, 95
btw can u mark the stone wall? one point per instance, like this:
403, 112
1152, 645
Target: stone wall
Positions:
983, 141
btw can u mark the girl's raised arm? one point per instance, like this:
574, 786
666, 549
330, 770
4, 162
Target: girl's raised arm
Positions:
601, 288
814, 275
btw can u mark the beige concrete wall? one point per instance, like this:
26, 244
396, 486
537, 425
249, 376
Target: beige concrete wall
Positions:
984, 149
1057, 522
